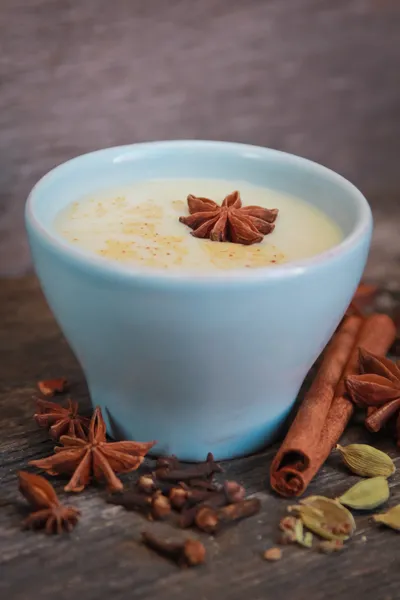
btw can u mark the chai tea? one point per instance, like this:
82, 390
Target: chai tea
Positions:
139, 226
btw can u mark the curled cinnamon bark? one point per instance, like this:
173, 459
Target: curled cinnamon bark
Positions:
303, 439
326, 409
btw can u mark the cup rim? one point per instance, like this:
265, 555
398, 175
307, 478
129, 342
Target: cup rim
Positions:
114, 270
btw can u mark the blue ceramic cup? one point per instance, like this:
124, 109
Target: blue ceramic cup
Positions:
198, 362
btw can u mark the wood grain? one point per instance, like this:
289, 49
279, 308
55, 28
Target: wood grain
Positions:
102, 558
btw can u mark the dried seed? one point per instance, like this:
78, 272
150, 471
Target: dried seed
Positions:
287, 537
367, 494
366, 461
272, 554
329, 546
288, 523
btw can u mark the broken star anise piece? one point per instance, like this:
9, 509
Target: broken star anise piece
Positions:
230, 222
51, 387
94, 458
61, 420
377, 389
50, 514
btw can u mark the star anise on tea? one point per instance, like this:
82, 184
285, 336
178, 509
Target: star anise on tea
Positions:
61, 420
49, 514
377, 389
230, 222
94, 458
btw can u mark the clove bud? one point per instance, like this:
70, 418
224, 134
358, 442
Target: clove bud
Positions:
156, 506
209, 520
178, 497
146, 484
160, 506
203, 484
168, 462
232, 492
131, 500
205, 469
186, 553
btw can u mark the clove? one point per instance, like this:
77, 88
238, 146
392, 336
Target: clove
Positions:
232, 492
205, 469
203, 484
156, 506
168, 462
186, 553
146, 484
131, 500
160, 506
178, 497
209, 520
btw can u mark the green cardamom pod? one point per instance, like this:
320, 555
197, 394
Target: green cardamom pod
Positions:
326, 518
391, 518
366, 461
366, 494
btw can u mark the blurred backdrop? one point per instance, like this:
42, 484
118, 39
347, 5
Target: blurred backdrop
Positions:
319, 78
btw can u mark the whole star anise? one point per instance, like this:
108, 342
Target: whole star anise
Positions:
50, 514
94, 458
377, 389
61, 420
230, 222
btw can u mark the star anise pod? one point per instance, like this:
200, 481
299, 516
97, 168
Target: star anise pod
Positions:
377, 389
94, 458
230, 222
50, 514
61, 420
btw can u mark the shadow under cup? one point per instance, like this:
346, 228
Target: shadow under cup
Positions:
199, 362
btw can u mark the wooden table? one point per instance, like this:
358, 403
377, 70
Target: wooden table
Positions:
102, 558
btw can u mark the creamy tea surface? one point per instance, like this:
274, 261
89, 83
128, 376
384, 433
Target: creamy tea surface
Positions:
139, 226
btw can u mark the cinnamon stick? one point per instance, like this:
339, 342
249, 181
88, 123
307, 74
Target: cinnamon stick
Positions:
326, 410
303, 439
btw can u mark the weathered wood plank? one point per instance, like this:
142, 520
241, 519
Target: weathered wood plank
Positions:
101, 559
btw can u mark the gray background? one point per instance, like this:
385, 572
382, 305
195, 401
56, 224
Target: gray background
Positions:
319, 78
